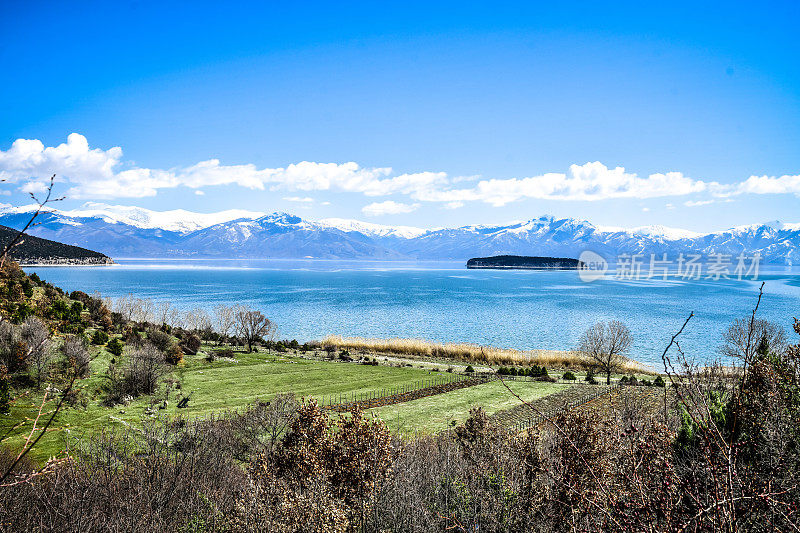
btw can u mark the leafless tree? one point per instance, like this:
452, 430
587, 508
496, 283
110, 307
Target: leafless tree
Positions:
606, 344
197, 319
745, 335
165, 313
125, 306
224, 319
253, 325
36, 336
145, 310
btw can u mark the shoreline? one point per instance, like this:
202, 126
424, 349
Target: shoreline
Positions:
67, 264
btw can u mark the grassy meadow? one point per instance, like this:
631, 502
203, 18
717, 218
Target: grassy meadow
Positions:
211, 387
437, 413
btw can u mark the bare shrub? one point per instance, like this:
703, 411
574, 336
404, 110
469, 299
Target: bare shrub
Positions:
145, 368
12, 349
321, 478
75, 350
36, 336
146, 365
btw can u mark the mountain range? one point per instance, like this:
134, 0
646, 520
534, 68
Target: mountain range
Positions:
123, 231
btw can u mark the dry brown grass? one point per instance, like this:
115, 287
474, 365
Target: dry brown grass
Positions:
471, 353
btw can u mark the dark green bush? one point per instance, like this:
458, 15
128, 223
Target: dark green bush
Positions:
190, 344
469, 369
115, 347
160, 339
99, 338
569, 376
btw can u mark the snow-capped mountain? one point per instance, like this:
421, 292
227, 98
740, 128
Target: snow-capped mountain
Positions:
282, 235
120, 231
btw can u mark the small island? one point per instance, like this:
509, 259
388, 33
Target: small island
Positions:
524, 262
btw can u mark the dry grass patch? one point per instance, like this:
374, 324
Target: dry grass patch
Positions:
471, 353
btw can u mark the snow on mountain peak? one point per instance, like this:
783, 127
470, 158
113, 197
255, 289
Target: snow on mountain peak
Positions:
368, 228
664, 232
178, 220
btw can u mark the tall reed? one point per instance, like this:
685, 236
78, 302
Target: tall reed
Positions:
470, 353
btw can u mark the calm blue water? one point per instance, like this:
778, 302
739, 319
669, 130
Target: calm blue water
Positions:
446, 302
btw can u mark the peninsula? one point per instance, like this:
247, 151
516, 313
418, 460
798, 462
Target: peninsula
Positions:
32, 250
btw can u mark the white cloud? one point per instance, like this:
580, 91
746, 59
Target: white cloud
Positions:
770, 185
33, 187
588, 182
96, 173
198, 192
298, 199
388, 208
697, 203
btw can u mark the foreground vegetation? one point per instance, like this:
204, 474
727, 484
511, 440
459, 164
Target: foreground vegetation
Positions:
116, 417
726, 459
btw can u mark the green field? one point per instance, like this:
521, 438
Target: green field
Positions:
435, 413
222, 384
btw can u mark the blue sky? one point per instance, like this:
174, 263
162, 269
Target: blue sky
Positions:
409, 113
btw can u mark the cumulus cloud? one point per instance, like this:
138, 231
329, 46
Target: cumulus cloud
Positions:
770, 185
388, 208
96, 173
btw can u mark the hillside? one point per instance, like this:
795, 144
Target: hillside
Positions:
35, 250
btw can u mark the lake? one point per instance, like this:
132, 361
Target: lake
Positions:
445, 302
